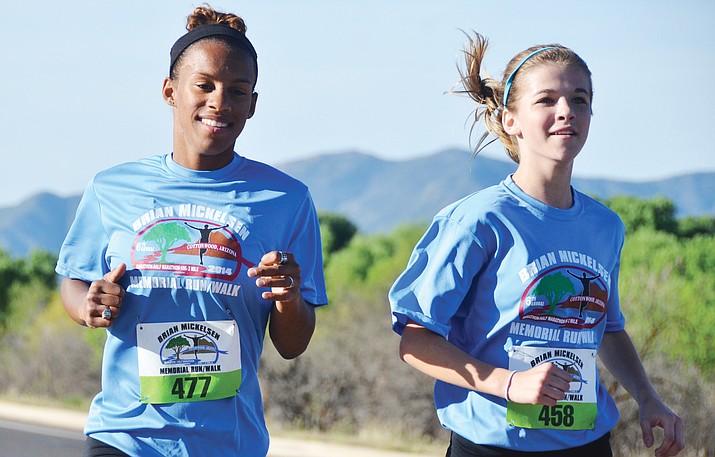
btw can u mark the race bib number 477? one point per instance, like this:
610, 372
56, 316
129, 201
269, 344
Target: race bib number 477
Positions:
578, 410
188, 361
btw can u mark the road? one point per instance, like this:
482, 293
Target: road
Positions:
27, 440
32, 431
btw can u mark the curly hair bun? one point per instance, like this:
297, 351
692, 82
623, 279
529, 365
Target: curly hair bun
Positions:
205, 15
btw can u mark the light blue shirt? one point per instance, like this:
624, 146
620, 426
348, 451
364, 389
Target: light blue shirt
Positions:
499, 269
188, 237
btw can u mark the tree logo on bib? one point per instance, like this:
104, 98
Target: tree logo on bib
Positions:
189, 344
188, 248
570, 297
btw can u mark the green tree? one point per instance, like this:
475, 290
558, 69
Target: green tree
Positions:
554, 287
40, 265
667, 289
177, 343
336, 231
692, 226
165, 235
656, 214
37, 269
391, 259
351, 264
9, 273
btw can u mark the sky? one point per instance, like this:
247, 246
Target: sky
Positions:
82, 81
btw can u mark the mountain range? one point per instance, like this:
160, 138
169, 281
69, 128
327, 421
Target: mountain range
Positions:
375, 194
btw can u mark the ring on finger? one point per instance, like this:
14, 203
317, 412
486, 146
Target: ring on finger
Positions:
107, 313
292, 282
283, 257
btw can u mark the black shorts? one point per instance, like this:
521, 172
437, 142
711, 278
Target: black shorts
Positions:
95, 448
461, 447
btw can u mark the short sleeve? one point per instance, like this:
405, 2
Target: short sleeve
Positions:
615, 320
82, 255
306, 246
438, 276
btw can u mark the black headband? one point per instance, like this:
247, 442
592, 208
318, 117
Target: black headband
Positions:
212, 30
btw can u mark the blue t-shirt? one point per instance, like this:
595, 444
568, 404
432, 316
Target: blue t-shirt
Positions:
508, 279
188, 237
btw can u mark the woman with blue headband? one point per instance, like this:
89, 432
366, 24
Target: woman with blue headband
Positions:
185, 259
512, 293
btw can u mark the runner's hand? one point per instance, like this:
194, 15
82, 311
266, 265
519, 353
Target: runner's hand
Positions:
104, 294
282, 278
544, 384
653, 413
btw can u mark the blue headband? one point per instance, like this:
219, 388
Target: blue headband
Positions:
510, 79
205, 31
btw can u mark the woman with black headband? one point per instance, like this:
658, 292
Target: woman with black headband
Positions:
185, 259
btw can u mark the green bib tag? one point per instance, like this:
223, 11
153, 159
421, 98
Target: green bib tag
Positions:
562, 416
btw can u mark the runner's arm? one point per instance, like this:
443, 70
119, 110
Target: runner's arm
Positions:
74, 292
433, 355
621, 359
292, 320
291, 327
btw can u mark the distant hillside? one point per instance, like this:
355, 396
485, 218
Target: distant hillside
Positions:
39, 222
375, 194
378, 195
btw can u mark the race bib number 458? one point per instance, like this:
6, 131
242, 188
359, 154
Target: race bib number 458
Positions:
188, 361
578, 410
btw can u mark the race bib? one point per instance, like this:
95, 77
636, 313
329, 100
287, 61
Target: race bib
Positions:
578, 410
188, 361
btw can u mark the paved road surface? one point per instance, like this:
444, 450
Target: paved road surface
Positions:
32, 431
27, 440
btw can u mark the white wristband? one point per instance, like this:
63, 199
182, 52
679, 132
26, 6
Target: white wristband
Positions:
508, 385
